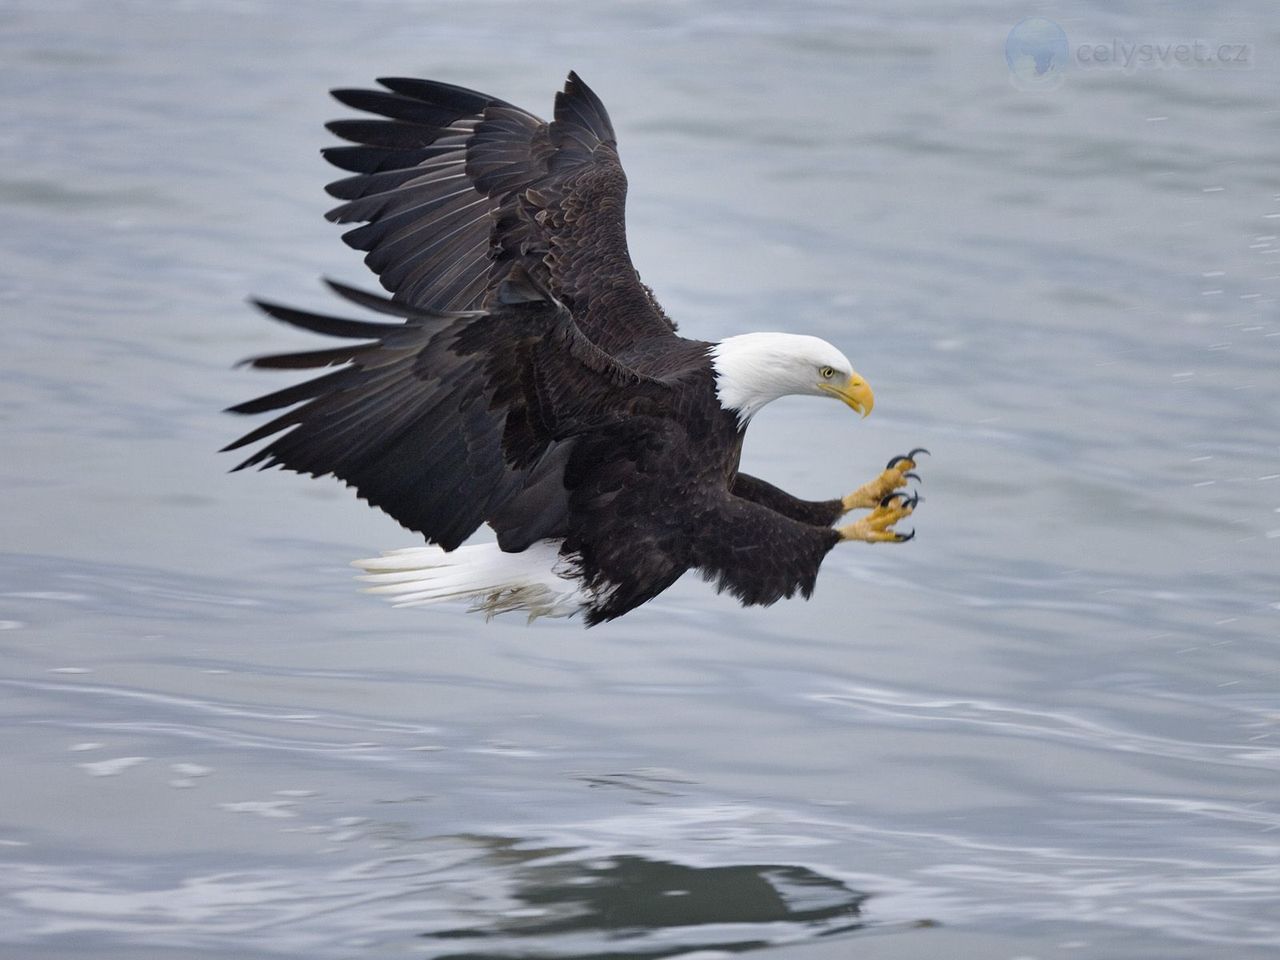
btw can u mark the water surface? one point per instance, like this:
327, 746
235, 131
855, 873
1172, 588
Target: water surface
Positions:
1047, 727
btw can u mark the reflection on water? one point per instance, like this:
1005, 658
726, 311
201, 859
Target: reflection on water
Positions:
632, 907
480, 896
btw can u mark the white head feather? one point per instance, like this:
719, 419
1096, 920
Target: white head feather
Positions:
755, 368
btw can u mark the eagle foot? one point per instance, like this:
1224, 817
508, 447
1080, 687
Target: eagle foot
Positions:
896, 473
876, 527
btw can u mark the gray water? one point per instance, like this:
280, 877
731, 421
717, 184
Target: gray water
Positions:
1048, 727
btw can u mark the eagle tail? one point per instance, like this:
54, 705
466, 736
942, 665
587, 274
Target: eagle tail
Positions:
534, 580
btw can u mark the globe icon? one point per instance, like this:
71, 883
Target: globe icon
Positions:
1037, 53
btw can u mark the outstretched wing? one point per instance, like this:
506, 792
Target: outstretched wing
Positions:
438, 420
455, 189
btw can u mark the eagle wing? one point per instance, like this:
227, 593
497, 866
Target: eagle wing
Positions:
438, 420
456, 189
502, 240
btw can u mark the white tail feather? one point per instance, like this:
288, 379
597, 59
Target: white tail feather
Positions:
493, 581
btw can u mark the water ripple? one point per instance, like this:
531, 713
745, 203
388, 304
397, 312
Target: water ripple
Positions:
905, 708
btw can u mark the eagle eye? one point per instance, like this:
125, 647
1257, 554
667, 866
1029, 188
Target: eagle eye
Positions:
827, 373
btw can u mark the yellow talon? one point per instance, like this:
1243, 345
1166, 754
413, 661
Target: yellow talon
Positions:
876, 527
893, 478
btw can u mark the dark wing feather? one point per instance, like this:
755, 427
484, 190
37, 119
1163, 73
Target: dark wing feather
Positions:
457, 189
438, 420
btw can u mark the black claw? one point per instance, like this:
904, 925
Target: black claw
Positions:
888, 498
913, 476
909, 456
904, 537
915, 499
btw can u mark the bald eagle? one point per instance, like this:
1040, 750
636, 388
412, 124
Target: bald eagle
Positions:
527, 379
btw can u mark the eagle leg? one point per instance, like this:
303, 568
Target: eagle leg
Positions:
894, 477
877, 526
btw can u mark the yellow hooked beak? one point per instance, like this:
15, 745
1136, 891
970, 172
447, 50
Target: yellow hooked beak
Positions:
855, 392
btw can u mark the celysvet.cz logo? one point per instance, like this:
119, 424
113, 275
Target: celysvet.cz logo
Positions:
1040, 56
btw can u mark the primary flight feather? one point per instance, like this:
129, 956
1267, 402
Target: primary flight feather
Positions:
528, 379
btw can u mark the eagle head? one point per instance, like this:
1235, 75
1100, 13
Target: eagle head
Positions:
756, 368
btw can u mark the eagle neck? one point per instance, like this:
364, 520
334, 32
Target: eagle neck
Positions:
741, 369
